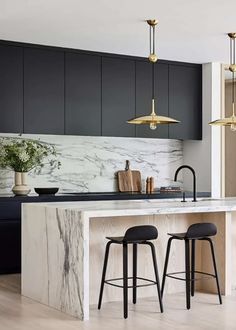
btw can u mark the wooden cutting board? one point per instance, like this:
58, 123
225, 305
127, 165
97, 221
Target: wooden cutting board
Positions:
129, 181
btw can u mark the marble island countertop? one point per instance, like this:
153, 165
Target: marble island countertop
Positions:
143, 207
56, 245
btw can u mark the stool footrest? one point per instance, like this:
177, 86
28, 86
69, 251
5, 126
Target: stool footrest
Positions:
208, 276
151, 282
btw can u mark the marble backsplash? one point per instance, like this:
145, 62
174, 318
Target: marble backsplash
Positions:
89, 163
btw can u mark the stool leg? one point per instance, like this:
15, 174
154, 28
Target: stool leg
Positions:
104, 274
134, 273
166, 265
215, 268
156, 274
125, 279
193, 268
187, 273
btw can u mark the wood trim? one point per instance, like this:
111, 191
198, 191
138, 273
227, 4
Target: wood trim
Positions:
223, 68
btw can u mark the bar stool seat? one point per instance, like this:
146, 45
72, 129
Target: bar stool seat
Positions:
134, 235
197, 231
120, 240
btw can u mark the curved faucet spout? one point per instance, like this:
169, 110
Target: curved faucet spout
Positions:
194, 178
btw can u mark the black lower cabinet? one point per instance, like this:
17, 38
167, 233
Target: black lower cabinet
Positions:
10, 246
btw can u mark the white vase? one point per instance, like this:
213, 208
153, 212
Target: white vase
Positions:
20, 188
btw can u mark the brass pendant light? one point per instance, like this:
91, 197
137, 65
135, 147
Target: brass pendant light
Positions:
230, 121
153, 119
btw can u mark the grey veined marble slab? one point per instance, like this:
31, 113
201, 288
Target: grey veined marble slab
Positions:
89, 163
55, 244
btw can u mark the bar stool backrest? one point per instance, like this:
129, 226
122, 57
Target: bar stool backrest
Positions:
140, 233
198, 230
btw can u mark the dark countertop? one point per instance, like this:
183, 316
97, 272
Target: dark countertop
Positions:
93, 196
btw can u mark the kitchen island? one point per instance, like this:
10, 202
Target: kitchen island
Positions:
63, 246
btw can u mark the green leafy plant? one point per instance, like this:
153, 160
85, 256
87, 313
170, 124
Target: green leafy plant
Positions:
23, 155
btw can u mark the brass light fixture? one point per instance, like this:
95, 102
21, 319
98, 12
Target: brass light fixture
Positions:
152, 120
230, 121
152, 26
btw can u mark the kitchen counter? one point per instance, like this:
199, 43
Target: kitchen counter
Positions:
56, 243
138, 207
10, 217
77, 196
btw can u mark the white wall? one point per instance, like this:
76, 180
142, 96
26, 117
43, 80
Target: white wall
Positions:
205, 155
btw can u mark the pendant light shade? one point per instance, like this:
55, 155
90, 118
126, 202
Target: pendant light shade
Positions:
153, 120
230, 121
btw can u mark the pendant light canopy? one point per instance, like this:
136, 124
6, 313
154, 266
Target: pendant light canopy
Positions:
230, 121
153, 119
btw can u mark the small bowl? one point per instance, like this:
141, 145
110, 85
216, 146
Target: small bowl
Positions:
46, 191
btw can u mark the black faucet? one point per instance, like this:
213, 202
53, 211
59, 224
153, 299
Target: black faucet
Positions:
194, 178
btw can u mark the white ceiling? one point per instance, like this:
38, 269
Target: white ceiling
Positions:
188, 30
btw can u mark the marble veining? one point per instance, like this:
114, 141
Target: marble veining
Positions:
57, 267
71, 235
89, 163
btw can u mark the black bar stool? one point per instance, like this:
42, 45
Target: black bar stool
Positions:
134, 235
197, 231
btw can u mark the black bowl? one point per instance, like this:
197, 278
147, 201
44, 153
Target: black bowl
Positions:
46, 191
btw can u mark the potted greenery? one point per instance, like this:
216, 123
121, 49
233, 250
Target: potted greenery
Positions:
23, 155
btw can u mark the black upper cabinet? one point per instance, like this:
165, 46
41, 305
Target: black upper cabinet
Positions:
11, 89
144, 97
43, 91
185, 101
118, 96
83, 94
48, 90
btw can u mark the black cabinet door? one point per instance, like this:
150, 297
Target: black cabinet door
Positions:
43, 91
10, 246
185, 101
118, 96
144, 97
11, 89
82, 94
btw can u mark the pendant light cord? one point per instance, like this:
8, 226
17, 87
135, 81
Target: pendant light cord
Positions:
152, 50
153, 81
233, 96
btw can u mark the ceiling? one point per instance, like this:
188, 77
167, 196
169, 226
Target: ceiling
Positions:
188, 30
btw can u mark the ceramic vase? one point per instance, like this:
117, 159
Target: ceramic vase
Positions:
20, 188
